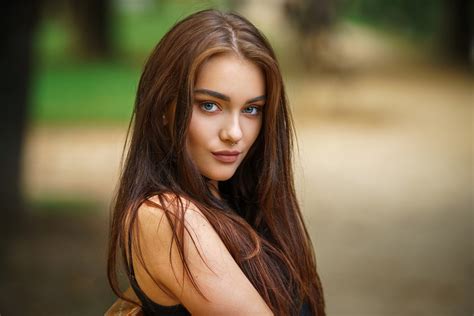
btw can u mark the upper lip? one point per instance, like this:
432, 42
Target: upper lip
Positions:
227, 152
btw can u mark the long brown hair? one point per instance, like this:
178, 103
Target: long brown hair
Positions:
259, 219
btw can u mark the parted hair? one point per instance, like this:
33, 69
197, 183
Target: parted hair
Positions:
258, 218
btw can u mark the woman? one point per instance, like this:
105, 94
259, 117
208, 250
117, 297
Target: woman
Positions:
206, 220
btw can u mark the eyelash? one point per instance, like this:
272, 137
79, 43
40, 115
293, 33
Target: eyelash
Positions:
256, 108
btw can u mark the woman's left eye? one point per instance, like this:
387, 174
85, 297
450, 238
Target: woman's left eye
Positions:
252, 110
209, 107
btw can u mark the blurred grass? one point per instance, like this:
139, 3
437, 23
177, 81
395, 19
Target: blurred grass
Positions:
67, 89
85, 92
54, 205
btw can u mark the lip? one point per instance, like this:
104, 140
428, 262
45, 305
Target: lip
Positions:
226, 155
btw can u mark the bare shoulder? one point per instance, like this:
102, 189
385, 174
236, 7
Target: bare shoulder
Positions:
165, 217
160, 225
160, 219
168, 204
195, 263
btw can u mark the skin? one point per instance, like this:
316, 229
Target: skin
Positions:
228, 98
228, 94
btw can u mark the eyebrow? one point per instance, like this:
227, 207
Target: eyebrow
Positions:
225, 97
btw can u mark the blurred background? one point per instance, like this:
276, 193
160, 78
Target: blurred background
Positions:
382, 97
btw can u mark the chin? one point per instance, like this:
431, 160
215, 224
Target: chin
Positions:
221, 176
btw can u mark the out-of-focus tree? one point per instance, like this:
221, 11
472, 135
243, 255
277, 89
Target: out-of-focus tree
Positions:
313, 20
447, 23
88, 24
92, 27
18, 19
310, 16
458, 29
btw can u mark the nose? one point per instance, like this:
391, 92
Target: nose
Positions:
231, 130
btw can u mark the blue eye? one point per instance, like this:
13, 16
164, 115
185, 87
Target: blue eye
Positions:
252, 110
209, 106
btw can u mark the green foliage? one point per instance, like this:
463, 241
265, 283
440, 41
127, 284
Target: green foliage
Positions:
137, 33
414, 18
84, 92
65, 205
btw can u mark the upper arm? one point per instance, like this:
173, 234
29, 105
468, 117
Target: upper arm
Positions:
225, 287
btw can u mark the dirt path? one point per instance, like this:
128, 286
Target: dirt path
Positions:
386, 182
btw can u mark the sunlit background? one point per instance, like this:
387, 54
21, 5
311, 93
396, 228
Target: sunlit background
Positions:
382, 97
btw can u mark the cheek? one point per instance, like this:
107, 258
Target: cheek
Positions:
198, 132
253, 129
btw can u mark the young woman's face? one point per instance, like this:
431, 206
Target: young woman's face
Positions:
229, 95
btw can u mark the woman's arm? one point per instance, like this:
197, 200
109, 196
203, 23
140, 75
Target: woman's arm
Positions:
227, 289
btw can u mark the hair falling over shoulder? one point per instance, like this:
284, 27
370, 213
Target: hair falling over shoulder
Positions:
260, 223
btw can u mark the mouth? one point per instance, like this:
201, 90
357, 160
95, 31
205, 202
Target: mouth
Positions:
226, 156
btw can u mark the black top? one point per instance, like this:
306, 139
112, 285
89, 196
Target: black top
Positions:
151, 308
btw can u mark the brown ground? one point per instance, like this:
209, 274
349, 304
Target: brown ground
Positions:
384, 175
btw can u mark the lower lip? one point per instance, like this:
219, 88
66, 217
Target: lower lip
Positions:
226, 158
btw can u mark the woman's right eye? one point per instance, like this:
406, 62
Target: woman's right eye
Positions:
209, 106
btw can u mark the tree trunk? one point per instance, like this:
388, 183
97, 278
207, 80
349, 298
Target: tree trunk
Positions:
19, 19
458, 30
91, 20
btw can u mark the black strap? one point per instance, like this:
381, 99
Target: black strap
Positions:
149, 307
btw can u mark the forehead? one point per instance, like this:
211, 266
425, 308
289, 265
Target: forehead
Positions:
232, 75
